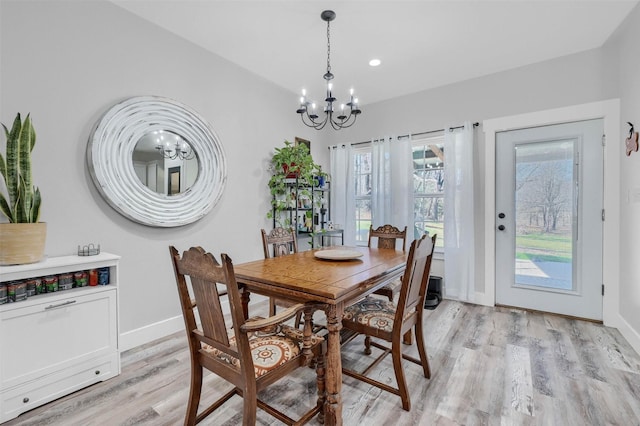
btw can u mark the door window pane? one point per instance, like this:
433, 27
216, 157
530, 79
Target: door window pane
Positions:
545, 188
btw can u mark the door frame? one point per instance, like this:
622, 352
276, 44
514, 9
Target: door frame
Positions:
609, 110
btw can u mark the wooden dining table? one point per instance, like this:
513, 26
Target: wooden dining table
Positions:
329, 283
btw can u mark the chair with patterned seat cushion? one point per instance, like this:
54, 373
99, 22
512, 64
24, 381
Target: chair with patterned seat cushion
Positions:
381, 319
250, 354
279, 242
387, 237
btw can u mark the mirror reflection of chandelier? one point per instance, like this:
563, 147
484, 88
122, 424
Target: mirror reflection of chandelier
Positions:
347, 114
172, 146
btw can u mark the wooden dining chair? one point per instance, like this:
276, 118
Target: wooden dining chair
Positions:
381, 319
387, 237
250, 354
280, 242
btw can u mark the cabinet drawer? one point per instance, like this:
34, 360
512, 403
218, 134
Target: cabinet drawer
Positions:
33, 394
61, 333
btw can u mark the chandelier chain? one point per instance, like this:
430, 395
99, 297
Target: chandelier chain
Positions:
328, 47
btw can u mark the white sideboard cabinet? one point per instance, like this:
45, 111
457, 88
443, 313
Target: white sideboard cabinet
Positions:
55, 343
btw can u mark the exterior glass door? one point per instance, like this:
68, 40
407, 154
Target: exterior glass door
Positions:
549, 224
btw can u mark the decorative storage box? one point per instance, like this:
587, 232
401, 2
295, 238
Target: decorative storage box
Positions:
80, 278
65, 281
50, 283
34, 286
103, 276
17, 291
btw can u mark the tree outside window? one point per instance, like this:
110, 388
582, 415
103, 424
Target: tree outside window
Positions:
362, 164
428, 188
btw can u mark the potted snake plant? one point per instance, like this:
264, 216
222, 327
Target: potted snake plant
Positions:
23, 236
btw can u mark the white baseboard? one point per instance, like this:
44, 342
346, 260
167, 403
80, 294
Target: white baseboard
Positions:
150, 332
482, 299
479, 299
163, 328
631, 335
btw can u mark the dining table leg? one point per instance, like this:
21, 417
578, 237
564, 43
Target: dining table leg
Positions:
333, 368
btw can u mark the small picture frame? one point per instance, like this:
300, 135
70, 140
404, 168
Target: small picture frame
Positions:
299, 141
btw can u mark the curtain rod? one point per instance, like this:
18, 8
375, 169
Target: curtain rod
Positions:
476, 124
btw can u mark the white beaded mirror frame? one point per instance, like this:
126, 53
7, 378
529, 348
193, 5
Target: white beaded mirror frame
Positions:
109, 157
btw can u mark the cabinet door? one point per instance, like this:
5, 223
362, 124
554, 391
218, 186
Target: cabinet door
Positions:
57, 334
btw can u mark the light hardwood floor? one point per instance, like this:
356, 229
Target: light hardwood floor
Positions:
490, 366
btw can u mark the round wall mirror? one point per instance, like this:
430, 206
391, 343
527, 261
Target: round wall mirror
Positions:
157, 161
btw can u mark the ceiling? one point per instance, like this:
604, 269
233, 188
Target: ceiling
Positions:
422, 44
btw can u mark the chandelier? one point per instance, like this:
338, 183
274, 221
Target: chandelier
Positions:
171, 151
348, 112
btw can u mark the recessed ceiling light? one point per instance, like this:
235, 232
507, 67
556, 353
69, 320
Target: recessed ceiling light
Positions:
374, 62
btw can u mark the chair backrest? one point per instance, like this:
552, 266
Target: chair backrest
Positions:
416, 275
387, 236
203, 272
281, 240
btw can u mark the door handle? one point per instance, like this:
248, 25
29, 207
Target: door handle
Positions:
501, 227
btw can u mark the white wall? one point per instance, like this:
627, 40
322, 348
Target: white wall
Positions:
67, 63
623, 49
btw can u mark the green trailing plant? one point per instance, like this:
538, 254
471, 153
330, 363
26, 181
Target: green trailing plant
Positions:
22, 201
290, 162
294, 161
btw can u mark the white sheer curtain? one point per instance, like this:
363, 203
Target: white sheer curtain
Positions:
380, 181
459, 241
392, 183
343, 203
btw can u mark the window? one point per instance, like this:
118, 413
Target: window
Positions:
362, 172
428, 188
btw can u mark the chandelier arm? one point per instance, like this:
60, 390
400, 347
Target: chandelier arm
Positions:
310, 122
347, 122
338, 124
346, 126
335, 125
188, 156
320, 125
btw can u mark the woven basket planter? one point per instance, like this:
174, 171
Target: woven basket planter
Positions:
22, 243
